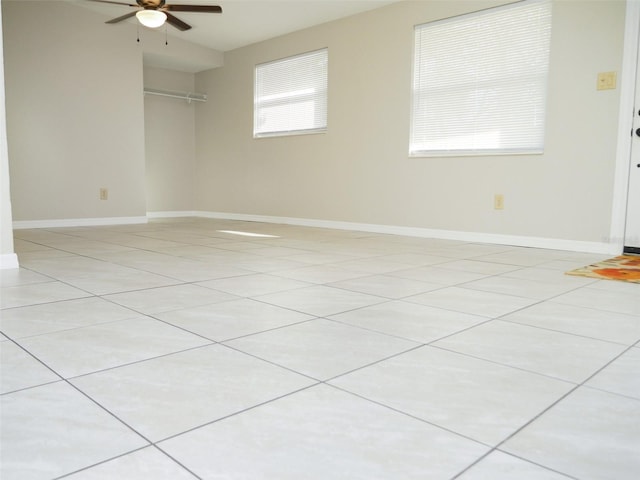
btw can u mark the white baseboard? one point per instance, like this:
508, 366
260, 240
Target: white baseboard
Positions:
77, 222
177, 214
8, 260
472, 237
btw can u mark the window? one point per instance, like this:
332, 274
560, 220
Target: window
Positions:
479, 82
290, 95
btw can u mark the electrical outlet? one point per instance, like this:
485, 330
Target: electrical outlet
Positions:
104, 194
498, 201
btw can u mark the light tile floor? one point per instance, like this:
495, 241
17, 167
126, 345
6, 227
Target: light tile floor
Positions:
193, 348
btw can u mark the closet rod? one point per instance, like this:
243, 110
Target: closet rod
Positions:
188, 96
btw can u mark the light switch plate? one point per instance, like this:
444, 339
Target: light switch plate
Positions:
607, 80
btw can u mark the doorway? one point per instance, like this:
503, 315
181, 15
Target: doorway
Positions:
632, 222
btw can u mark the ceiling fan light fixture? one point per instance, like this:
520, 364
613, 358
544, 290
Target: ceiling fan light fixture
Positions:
151, 18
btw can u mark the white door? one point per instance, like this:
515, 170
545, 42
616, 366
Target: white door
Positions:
632, 229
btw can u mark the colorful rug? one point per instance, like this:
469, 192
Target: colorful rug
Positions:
624, 267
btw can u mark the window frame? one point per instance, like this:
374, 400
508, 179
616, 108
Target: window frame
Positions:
539, 78
300, 96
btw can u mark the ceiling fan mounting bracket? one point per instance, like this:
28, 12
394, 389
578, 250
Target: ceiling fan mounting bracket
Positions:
151, 4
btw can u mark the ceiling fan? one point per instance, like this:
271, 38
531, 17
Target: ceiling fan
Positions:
153, 13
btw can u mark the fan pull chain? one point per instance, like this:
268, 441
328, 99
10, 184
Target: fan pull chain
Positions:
138, 31
166, 40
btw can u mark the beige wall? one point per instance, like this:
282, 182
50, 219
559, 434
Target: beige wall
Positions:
170, 142
75, 114
76, 122
359, 171
8, 258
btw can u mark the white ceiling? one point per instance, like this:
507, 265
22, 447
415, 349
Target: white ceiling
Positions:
244, 22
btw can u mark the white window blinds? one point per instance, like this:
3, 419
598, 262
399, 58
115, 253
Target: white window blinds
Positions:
290, 95
479, 82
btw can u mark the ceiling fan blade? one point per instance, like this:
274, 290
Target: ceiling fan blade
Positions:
115, 3
176, 22
123, 17
193, 8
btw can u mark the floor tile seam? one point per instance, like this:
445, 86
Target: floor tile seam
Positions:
407, 414
352, 290
617, 394
384, 299
405, 266
560, 274
49, 302
17, 339
463, 312
554, 301
157, 443
387, 273
388, 357
537, 264
199, 283
127, 307
146, 269
31, 387
116, 457
40, 361
89, 257
440, 288
223, 341
277, 273
139, 317
516, 269
145, 249
40, 242
560, 399
495, 449
270, 362
513, 367
601, 369
602, 310
181, 464
51, 278
64, 277
376, 362
89, 295
105, 297
258, 299
139, 361
607, 291
587, 286
498, 446
505, 318
253, 274
464, 329
569, 289
538, 299
109, 412
391, 277
487, 276
118, 292
8, 288
134, 270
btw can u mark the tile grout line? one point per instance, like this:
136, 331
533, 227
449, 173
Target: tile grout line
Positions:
549, 407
